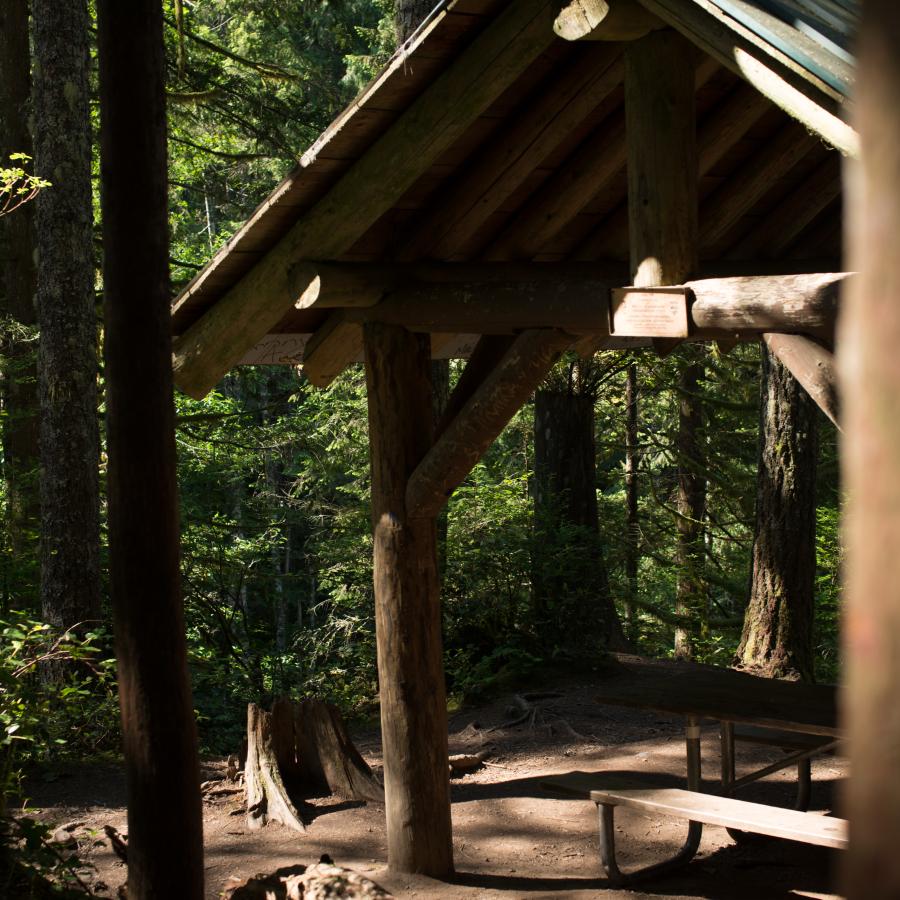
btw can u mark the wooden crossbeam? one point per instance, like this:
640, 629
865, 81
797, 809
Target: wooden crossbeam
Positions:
480, 74
813, 366
501, 167
784, 82
507, 386
605, 20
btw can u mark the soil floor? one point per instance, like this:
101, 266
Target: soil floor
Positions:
512, 838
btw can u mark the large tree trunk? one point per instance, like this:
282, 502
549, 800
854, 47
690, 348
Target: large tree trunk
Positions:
869, 335
571, 579
17, 302
691, 599
67, 362
777, 636
158, 729
408, 14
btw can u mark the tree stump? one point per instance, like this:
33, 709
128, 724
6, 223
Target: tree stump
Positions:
299, 750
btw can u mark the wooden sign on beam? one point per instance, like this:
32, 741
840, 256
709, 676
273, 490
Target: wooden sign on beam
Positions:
649, 312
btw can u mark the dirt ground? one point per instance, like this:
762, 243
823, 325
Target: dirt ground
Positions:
512, 839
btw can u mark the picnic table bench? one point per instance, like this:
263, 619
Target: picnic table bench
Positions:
758, 818
799, 718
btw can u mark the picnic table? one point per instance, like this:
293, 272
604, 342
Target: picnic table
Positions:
798, 717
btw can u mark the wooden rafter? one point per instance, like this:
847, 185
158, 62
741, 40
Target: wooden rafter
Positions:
726, 206
502, 166
492, 62
786, 84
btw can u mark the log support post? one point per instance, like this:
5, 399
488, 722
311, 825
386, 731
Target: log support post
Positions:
407, 606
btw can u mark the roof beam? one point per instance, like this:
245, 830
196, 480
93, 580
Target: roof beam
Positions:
485, 414
605, 20
785, 83
492, 62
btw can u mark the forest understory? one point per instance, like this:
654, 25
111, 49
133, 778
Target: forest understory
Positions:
512, 839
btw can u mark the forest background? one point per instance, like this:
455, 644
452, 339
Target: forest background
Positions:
618, 509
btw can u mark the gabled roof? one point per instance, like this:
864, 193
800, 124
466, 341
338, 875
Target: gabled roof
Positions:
537, 171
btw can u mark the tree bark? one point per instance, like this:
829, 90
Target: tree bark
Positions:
632, 521
158, 728
407, 607
777, 635
869, 334
408, 15
691, 599
570, 571
17, 300
67, 361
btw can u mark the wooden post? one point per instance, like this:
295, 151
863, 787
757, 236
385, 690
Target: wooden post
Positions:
407, 607
869, 335
158, 730
662, 224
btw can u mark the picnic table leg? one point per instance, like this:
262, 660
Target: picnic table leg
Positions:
726, 738
608, 850
695, 829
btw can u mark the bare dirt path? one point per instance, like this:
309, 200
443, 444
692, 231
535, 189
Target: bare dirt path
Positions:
511, 838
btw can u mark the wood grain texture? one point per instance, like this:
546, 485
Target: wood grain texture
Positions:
813, 366
482, 418
597, 20
407, 607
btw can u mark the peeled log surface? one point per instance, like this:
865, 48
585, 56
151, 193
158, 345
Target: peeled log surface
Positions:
505, 388
599, 20
300, 749
806, 303
812, 365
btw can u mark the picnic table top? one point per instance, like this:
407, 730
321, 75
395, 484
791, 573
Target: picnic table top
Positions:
692, 689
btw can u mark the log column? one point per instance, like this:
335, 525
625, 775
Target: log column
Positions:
407, 607
868, 338
662, 225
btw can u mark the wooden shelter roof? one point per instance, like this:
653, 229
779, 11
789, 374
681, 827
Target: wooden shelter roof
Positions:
538, 174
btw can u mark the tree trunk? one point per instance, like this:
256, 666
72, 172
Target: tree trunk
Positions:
297, 751
691, 600
632, 522
17, 302
570, 573
408, 15
407, 607
158, 728
67, 361
777, 636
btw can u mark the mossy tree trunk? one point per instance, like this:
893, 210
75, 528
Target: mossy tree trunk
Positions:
67, 360
777, 635
570, 575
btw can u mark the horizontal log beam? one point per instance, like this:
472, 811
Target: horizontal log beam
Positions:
813, 366
605, 20
478, 76
784, 303
785, 83
508, 385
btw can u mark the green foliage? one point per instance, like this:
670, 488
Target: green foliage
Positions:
17, 186
47, 681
